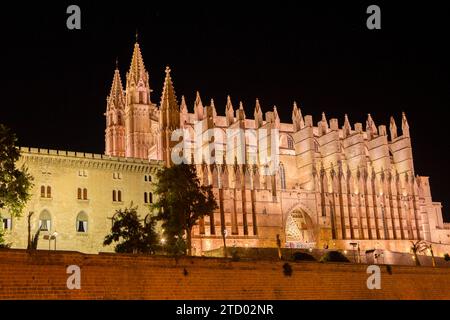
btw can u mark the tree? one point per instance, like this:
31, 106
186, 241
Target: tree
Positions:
15, 183
418, 246
181, 202
131, 235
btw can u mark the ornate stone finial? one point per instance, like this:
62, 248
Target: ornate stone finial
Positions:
136, 35
117, 63
240, 114
371, 128
393, 128
168, 70
258, 114
347, 127
183, 105
405, 125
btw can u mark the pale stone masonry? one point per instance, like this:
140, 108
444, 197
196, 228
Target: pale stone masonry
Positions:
58, 176
334, 185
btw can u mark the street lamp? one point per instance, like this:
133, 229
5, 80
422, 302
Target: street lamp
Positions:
54, 235
51, 237
224, 236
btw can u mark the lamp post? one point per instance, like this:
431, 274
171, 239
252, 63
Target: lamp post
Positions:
54, 235
224, 236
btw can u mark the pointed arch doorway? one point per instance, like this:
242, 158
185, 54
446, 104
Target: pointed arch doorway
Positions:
300, 230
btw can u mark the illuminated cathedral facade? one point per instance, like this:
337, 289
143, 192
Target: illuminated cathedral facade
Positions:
321, 185
333, 184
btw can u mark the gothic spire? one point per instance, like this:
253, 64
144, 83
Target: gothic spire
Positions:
137, 70
116, 97
183, 105
168, 98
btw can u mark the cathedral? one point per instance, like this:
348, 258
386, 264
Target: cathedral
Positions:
312, 184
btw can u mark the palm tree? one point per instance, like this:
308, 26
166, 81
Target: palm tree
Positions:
418, 246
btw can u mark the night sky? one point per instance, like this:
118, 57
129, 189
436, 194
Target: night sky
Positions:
55, 81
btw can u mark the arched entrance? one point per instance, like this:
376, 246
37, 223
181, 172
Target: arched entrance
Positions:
299, 230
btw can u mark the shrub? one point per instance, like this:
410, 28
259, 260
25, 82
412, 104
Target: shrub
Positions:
235, 254
287, 269
447, 257
334, 256
302, 256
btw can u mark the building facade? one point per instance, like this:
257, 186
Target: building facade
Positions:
331, 186
76, 195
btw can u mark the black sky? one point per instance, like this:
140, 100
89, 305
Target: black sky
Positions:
55, 81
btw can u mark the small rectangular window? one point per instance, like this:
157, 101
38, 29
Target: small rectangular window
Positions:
6, 224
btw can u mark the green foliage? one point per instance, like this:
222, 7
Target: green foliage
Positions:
181, 202
302, 256
447, 257
15, 183
130, 234
333, 256
3, 244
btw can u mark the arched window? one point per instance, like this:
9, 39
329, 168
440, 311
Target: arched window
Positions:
150, 197
290, 143
49, 192
85, 194
42, 191
114, 195
145, 197
82, 222
45, 221
79, 194
119, 196
149, 178
282, 177
145, 178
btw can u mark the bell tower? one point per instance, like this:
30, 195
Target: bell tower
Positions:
138, 109
115, 118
